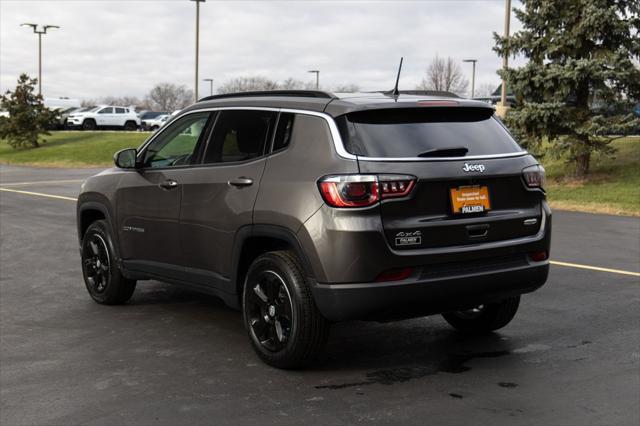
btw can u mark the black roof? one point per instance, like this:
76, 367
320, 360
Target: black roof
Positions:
334, 104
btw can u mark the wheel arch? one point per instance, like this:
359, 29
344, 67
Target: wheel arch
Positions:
253, 240
90, 211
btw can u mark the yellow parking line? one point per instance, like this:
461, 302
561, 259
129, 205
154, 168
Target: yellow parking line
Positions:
39, 194
42, 182
594, 268
553, 262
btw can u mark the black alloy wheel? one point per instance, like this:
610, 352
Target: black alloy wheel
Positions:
284, 325
269, 309
103, 278
96, 263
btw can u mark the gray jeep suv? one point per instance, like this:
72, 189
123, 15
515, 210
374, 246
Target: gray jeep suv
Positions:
303, 208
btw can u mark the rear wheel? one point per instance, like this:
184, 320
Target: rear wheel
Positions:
284, 325
88, 125
484, 318
102, 277
130, 126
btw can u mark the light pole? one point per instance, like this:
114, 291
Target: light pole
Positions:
39, 32
317, 73
210, 80
473, 75
505, 59
197, 43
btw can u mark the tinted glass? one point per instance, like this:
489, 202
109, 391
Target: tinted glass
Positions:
283, 132
119, 110
240, 136
176, 145
108, 110
411, 132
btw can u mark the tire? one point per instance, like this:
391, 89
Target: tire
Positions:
130, 126
89, 124
273, 280
154, 128
102, 277
485, 318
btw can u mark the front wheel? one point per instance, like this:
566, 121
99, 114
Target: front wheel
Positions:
102, 277
89, 124
484, 318
284, 325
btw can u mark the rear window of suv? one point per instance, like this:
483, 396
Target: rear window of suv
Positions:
425, 132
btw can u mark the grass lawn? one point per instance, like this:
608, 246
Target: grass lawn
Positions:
613, 186
73, 149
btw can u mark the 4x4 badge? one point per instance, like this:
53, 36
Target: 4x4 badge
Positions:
474, 167
409, 238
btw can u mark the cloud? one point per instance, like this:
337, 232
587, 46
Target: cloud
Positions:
118, 48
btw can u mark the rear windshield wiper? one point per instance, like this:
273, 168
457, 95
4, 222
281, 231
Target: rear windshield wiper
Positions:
457, 151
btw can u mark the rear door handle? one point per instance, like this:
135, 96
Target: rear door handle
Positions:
241, 181
168, 184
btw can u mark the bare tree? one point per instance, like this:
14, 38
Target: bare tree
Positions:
248, 84
485, 90
346, 88
169, 97
444, 74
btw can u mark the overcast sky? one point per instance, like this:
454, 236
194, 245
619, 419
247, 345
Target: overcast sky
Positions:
122, 48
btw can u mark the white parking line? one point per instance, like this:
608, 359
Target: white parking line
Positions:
42, 182
39, 194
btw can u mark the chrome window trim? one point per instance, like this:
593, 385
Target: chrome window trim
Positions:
335, 135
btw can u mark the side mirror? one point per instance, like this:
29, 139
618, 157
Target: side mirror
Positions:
126, 159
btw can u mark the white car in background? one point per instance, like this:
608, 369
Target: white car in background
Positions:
155, 123
106, 117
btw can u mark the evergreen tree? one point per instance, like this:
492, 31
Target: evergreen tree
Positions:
582, 75
28, 117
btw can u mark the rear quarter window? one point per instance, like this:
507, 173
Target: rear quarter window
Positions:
410, 132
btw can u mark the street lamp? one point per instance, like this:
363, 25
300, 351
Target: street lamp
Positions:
317, 73
210, 80
505, 58
473, 75
197, 43
39, 32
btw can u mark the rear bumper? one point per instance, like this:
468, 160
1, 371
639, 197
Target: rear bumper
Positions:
425, 296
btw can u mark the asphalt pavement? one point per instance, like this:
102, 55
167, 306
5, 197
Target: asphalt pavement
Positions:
173, 357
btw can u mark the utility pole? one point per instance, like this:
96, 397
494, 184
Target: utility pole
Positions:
210, 80
197, 44
473, 75
317, 73
39, 32
505, 59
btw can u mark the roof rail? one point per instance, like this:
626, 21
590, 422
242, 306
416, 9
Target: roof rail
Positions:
265, 93
442, 93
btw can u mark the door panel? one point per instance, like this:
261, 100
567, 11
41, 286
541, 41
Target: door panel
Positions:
218, 198
148, 200
213, 210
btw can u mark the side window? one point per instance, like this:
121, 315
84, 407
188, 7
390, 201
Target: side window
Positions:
119, 110
240, 135
283, 132
107, 110
176, 145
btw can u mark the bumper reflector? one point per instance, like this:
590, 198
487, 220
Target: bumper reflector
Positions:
395, 275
